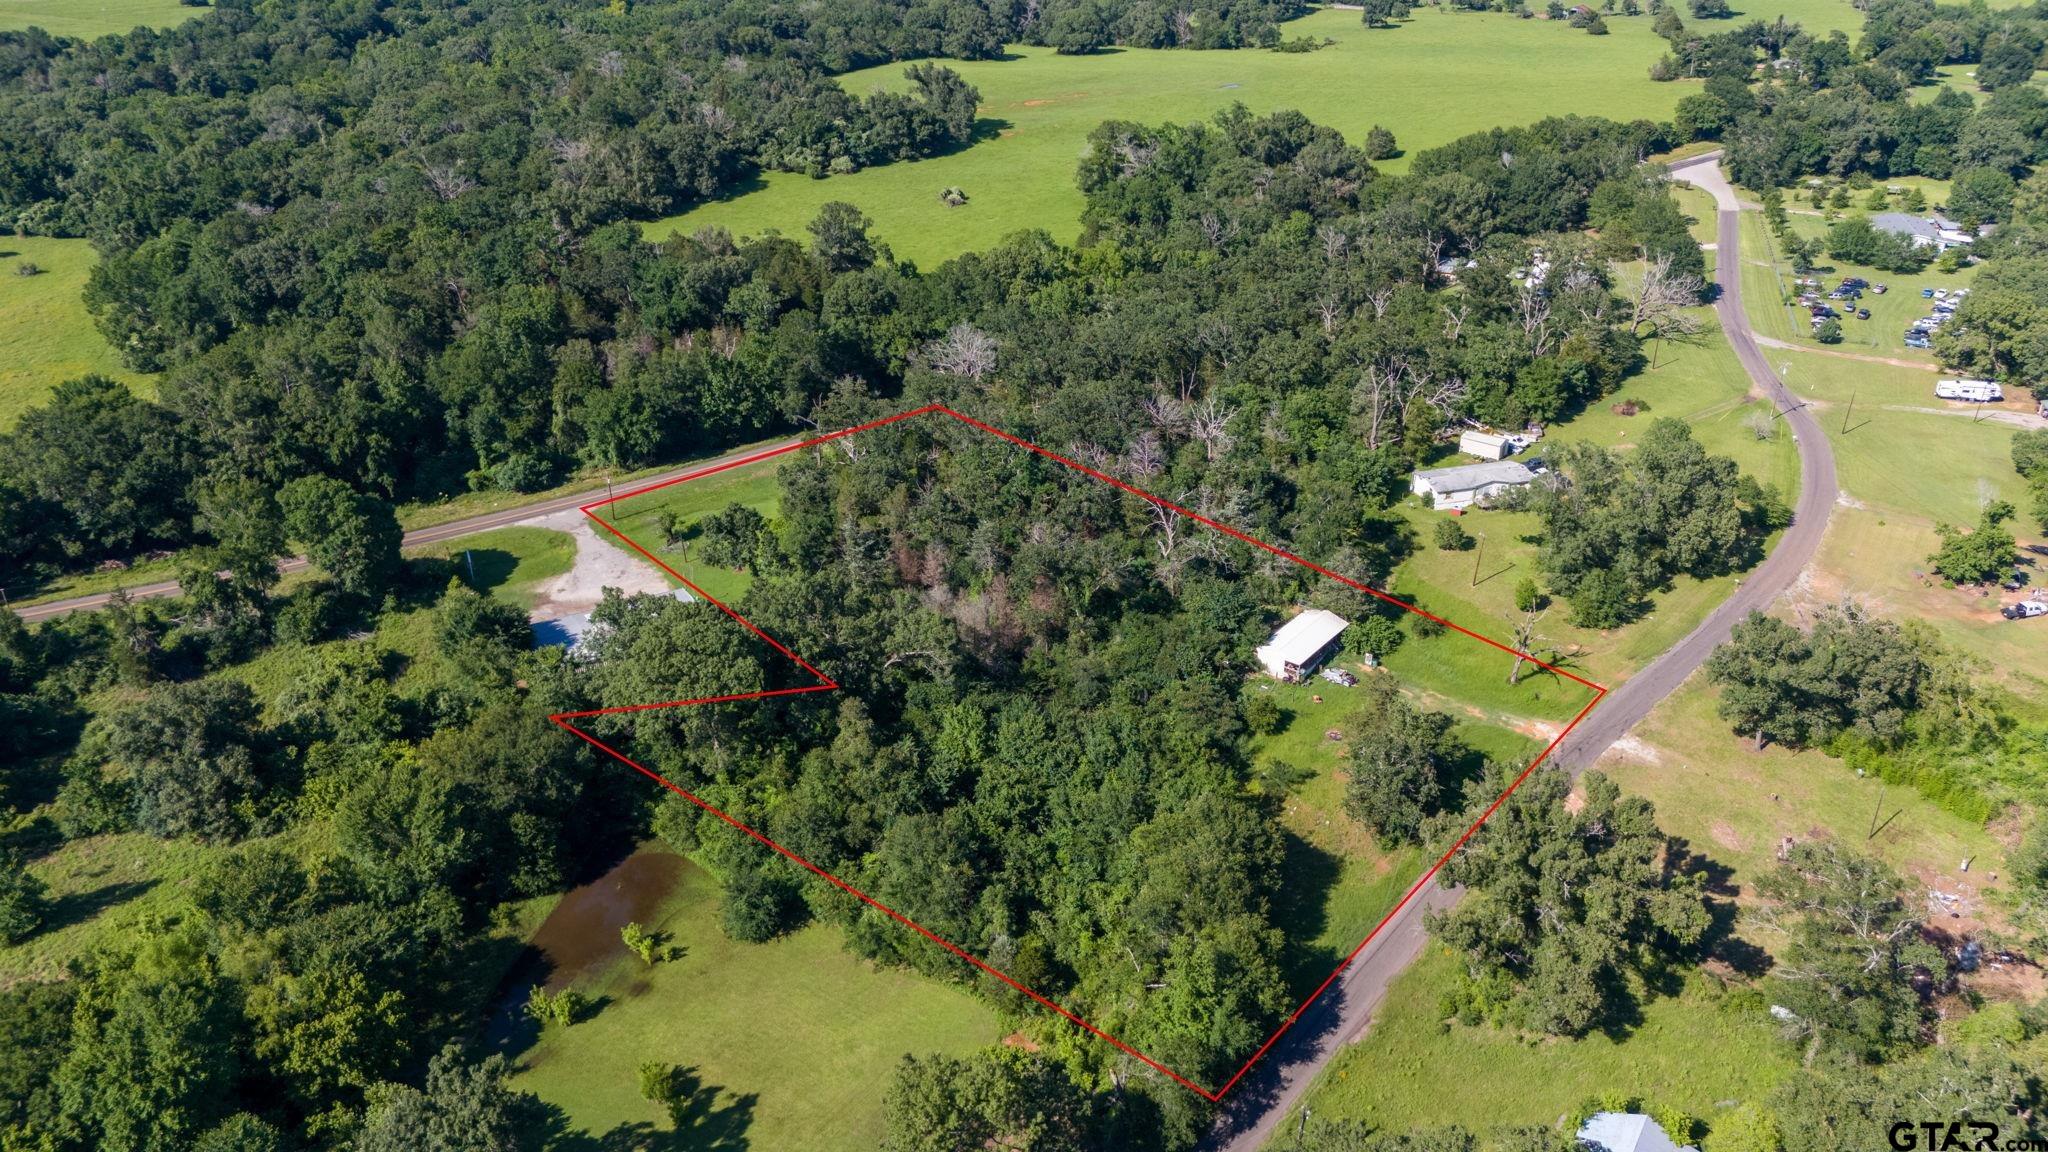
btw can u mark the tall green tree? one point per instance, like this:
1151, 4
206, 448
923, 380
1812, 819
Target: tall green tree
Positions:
1400, 755
154, 1054
352, 536
1567, 906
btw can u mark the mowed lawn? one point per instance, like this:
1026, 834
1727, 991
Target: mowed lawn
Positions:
794, 1041
640, 518
92, 18
1691, 1051
1432, 79
46, 335
509, 563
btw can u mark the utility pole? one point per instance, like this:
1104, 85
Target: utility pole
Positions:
1478, 550
1848, 412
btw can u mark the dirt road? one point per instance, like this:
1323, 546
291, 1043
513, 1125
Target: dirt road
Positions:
452, 530
1260, 1105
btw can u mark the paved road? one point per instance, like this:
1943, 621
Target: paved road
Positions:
439, 533
1265, 1100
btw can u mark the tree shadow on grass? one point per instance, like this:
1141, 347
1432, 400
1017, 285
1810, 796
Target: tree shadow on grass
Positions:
702, 1118
485, 568
1302, 913
79, 907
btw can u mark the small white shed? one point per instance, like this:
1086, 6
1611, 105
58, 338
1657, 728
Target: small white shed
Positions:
1301, 644
1486, 445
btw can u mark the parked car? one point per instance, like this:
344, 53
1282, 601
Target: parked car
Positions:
1879, 289
1855, 282
1863, 313
1941, 293
2015, 582
1927, 293
1338, 676
2024, 610
1920, 342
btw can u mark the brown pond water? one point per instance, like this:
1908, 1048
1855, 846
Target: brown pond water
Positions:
582, 934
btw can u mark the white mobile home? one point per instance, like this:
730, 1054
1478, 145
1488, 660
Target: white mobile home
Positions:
1976, 391
1486, 445
1301, 644
1467, 484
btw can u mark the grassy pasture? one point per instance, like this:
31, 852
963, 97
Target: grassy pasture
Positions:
1341, 880
1432, 79
92, 18
46, 335
792, 1041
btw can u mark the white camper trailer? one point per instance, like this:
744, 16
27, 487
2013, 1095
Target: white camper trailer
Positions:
1975, 391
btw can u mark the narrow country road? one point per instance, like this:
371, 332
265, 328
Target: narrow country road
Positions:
1265, 1100
454, 529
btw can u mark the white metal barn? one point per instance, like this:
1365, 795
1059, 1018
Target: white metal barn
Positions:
1301, 644
1467, 484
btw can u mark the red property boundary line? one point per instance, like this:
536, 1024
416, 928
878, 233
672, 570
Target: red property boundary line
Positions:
827, 684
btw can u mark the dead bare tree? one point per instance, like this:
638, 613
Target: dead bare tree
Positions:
1525, 639
1663, 302
1164, 411
1454, 320
447, 181
1330, 309
1147, 457
1335, 241
1166, 522
964, 351
1209, 423
1377, 396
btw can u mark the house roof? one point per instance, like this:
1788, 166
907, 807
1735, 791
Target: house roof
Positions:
1301, 638
1906, 224
1466, 477
1625, 1132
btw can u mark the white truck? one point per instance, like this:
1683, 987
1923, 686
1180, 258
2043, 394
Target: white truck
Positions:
1975, 391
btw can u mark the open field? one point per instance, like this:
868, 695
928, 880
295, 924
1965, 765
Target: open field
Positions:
91, 18
1690, 1051
46, 335
1342, 881
1434, 78
103, 888
1734, 803
792, 1041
